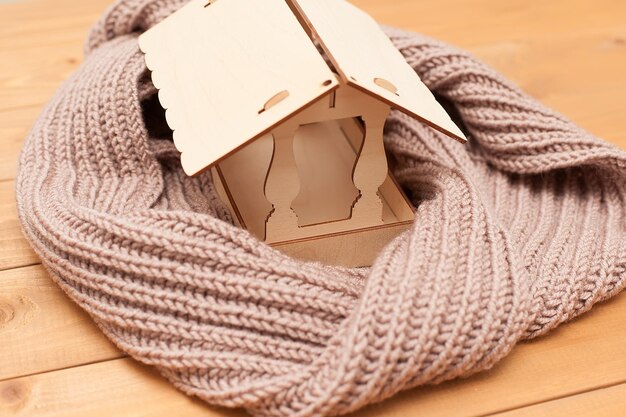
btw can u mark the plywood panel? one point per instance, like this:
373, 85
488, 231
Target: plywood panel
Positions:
243, 174
219, 67
325, 161
366, 59
357, 248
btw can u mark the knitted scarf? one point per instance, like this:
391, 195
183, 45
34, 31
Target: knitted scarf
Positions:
520, 230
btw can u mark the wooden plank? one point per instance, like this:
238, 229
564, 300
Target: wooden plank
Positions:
30, 70
603, 402
32, 14
458, 21
115, 388
36, 69
480, 22
230, 72
14, 249
593, 101
552, 65
14, 126
41, 330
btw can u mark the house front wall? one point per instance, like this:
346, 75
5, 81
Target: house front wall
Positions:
318, 172
294, 177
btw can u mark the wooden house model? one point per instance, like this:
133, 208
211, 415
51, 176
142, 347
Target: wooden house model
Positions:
285, 102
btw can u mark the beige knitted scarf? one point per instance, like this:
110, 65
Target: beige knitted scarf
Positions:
518, 231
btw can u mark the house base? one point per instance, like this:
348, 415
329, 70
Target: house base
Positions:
353, 248
337, 245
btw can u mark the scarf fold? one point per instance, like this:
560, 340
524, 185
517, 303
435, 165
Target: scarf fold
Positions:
520, 230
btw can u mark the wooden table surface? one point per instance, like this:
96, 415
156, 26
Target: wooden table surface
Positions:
569, 54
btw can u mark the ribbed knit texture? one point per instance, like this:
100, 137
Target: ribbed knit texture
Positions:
522, 229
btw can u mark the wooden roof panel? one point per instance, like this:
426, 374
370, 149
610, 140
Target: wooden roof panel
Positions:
367, 59
231, 71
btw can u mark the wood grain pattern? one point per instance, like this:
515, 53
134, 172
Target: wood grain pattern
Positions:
41, 330
14, 249
14, 126
567, 53
115, 388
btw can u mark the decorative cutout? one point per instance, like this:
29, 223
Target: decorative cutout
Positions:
325, 159
274, 100
387, 85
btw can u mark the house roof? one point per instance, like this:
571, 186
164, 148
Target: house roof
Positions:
229, 71
363, 55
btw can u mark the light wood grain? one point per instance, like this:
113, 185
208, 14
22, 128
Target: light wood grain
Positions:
283, 185
366, 59
14, 249
41, 330
115, 388
14, 126
41, 43
568, 54
519, 39
603, 402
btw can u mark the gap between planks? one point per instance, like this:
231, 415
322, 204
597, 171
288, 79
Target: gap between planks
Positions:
63, 368
119, 387
604, 401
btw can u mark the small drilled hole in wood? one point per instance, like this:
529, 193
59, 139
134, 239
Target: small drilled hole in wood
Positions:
274, 100
387, 85
327, 83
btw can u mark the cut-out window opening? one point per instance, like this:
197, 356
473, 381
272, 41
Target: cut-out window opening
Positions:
325, 155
